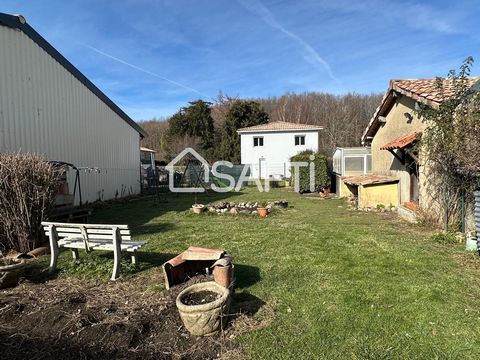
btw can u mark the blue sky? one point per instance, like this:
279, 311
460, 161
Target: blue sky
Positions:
153, 56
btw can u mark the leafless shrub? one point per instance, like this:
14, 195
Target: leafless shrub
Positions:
28, 184
426, 218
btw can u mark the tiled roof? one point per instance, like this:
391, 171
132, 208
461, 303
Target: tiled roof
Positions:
369, 179
427, 90
424, 91
401, 142
279, 126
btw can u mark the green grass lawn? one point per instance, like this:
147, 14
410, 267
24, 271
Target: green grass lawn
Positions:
342, 284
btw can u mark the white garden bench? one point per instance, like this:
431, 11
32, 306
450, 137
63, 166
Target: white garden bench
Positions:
91, 237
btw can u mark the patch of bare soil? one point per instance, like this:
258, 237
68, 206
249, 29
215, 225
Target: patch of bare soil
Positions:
200, 298
71, 318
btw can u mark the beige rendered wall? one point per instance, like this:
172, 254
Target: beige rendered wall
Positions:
383, 162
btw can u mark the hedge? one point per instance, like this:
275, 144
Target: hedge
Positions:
322, 176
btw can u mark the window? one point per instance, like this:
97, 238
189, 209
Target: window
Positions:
145, 157
258, 141
299, 140
368, 159
354, 164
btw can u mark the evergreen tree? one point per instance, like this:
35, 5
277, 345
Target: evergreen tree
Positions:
243, 113
194, 120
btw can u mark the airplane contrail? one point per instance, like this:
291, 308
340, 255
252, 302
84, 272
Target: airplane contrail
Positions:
257, 8
144, 70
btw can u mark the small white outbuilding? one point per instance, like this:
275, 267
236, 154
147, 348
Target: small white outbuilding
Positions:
350, 161
267, 148
47, 106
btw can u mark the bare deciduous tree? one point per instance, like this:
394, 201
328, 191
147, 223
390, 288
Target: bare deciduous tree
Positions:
344, 118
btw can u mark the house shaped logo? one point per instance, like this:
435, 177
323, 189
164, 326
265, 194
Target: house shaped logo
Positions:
171, 171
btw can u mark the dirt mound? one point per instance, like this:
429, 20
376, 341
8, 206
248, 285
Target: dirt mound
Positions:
72, 318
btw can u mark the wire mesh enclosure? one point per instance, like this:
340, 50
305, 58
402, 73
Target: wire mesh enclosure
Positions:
352, 161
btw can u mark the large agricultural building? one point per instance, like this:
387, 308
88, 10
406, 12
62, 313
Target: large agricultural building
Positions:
48, 106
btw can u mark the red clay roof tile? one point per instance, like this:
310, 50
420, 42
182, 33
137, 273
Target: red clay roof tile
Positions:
279, 126
369, 179
401, 142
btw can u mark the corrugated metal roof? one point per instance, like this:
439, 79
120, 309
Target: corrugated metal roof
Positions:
279, 126
369, 179
402, 142
18, 22
45, 109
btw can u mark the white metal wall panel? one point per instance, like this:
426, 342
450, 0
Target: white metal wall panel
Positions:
45, 109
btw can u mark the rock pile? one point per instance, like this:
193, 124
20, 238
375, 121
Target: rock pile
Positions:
242, 207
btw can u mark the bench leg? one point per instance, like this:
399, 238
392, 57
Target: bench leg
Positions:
75, 254
134, 259
117, 258
53, 258
117, 254
54, 250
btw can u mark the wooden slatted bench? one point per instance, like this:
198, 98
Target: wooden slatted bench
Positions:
91, 237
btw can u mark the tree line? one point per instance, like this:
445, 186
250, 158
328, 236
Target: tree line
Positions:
210, 127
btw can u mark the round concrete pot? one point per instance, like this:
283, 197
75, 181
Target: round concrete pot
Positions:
205, 319
10, 274
198, 208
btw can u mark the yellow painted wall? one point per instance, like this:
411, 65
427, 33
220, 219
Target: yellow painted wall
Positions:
343, 190
373, 195
383, 162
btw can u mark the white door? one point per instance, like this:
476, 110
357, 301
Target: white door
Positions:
262, 167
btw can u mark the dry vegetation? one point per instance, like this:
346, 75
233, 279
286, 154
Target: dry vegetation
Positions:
28, 185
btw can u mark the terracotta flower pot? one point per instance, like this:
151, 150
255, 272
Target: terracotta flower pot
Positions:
223, 275
263, 212
205, 319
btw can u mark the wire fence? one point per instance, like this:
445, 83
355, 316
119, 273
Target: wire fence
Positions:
196, 175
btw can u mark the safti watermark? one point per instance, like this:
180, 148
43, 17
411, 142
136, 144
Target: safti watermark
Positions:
228, 181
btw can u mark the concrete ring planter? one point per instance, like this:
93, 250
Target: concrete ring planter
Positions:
10, 274
205, 319
198, 208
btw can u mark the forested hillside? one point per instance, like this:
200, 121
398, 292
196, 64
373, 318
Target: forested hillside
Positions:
210, 127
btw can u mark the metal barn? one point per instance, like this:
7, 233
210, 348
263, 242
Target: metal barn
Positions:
47, 106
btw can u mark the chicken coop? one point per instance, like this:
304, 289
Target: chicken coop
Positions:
350, 161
